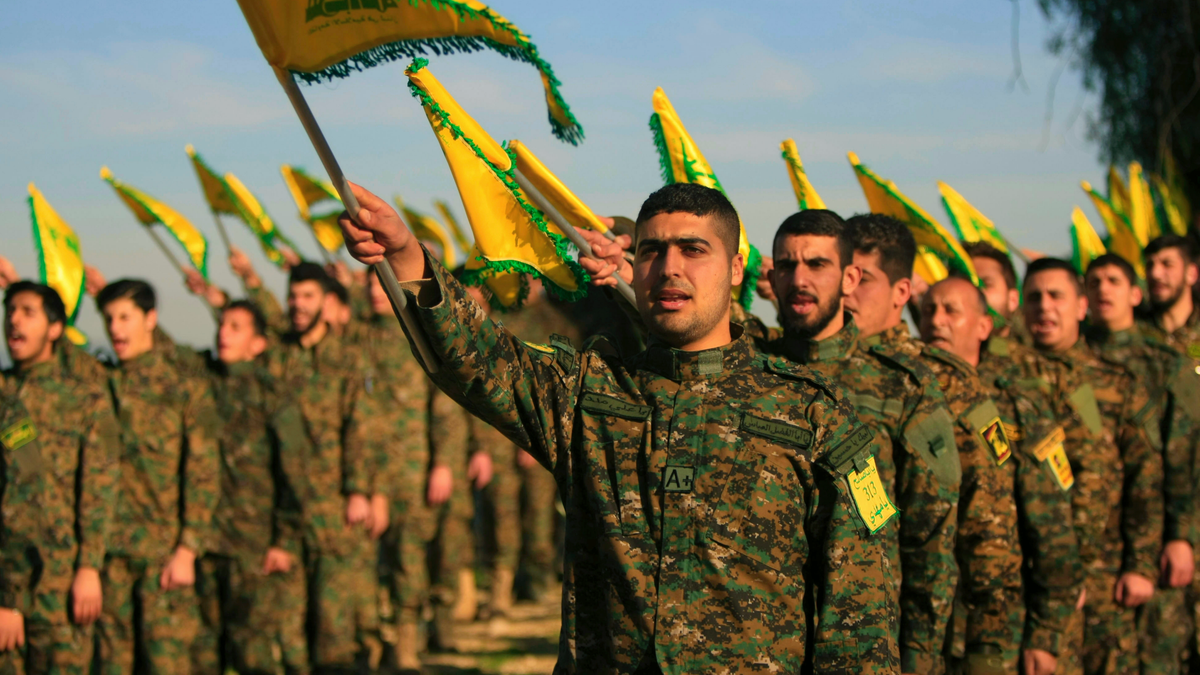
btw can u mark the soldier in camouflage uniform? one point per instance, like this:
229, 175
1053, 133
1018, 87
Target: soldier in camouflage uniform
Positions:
691, 476
168, 489
1168, 378
327, 377
1115, 473
1174, 316
998, 278
60, 446
954, 318
983, 635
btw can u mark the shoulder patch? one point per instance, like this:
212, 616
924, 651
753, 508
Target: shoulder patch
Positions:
849, 455
18, 434
1051, 452
777, 430
984, 420
933, 439
946, 358
795, 371
602, 404
1083, 400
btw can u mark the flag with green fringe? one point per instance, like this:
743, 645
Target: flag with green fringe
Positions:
682, 162
1121, 238
969, 222
570, 207
1172, 214
1086, 245
806, 194
323, 40
938, 253
60, 259
510, 234
223, 200
216, 193
427, 228
149, 211
451, 222
506, 291
1142, 216
308, 191
1118, 191
251, 211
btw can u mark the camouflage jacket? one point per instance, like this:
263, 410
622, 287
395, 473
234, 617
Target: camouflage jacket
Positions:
1116, 501
326, 381
987, 616
711, 522
170, 459
898, 397
61, 447
263, 452
1024, 387
1168, 379
1185, 339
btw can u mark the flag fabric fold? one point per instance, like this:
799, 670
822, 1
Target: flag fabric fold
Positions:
938, 253
1142, 216
1118, 191
427, 228
455, 230
251, 211
60, 259
308, 191
216, 193
1086, 245
1177, 191
149, 211
510, 234
1121, 238
323, 40
969, 221
806, 194
682, 162
506, 290
1172, 213
556, 193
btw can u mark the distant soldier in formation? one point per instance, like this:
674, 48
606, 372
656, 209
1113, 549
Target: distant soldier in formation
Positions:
1171, 277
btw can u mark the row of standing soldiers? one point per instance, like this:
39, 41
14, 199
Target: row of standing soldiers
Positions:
299, 497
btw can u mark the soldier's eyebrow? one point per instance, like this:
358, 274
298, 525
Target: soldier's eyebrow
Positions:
666, 242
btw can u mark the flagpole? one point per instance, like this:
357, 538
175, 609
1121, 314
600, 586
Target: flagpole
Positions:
580, 243
387, 277
221, 229
324, 253
166, 251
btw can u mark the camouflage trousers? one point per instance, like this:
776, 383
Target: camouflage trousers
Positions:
404, 562
252, 624
538, 515
453, 546
53, 644
343, 620
502, 510
142, 624
1103, 638
1164, 630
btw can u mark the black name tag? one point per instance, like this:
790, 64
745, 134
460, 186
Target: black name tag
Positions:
849, 449
777, 431
678, 478
607, 405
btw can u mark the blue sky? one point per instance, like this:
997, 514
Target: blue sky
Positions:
918, 89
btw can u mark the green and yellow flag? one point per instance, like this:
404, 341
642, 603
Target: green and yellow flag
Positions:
149, 211
970, 223
510, 234
448, 217
682, 162
255, 216
1086, 245
554, 191
506, 290
322, 40
1142, 216
60, 258
1177, 191
216, 193
1121, 238
427, 228
308, 191
938, 252
806, 195
1171, 211
1118, 191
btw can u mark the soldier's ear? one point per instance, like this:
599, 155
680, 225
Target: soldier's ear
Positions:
1136, 295
152, 319
56, 331
851, 277
1191, 274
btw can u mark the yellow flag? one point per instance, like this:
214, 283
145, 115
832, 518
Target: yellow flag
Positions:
1086, 245
1141, 213
806, 195
149, 211
971, 224
426, 228
216, 193
506, 290
1118, 191
1170, 205
308, 191
511, 235
60, 258
255, 216
682, 162
883, 197
448, 216
322, 40
559, 195
1178, 190
1121, 239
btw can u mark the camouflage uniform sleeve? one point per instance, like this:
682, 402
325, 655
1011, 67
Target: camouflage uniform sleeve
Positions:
1142, 496
99, 477
1054, 573
277, 319
448, 430
289, 447
201, 468
928, 475
526, 392
356, 473
1181, 435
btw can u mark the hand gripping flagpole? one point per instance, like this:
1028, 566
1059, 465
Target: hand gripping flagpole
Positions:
386, 276
572, 234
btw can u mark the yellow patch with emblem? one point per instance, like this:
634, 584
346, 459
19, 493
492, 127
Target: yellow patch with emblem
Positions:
1051, 450
545, 349
18, 434
870, 497
995, 436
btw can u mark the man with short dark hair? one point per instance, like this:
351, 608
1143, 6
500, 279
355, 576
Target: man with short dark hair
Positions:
999, 279
60, 445
690, 472
954, 317
169, 488
1171, 275
1115, 473
1172, 386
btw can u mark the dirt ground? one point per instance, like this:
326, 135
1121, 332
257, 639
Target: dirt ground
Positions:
524, 643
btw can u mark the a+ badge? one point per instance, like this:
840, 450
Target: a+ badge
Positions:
678, 478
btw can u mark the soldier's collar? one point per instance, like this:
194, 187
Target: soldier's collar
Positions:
892, 336
837, 346
1100, 336
681, 366
37, 371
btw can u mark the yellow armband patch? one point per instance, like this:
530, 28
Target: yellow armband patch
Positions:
545, 349
874, 506
18, 434
1051, 450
